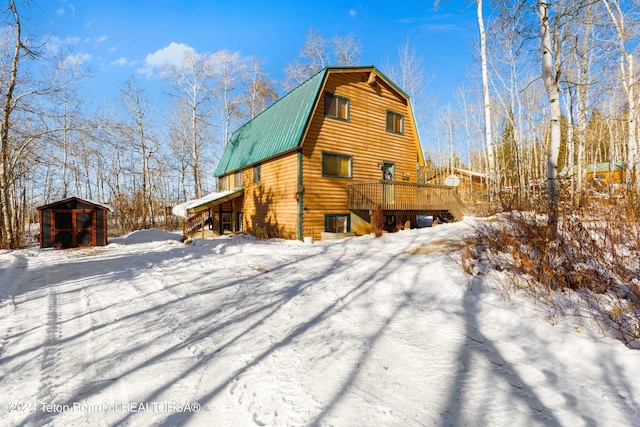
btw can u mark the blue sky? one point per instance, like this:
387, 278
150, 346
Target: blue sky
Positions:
121, 38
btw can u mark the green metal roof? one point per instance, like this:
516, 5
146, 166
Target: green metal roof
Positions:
276, 130
596, 167
280, 127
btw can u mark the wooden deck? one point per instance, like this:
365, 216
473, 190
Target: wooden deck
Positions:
404, 196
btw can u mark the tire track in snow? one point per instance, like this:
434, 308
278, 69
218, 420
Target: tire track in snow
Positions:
28, 314
48, 369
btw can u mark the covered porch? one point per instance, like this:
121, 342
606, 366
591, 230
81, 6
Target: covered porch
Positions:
213, 214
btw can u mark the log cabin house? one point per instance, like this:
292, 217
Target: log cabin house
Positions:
322, 160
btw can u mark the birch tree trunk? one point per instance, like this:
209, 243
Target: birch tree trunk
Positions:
6, 204
553, 90
487, 103
628, 76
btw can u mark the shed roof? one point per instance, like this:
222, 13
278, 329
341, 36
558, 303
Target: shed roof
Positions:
281, 127
77, 199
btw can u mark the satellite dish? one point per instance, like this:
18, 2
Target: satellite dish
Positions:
452, 181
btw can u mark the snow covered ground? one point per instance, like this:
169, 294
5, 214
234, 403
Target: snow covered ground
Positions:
239, 332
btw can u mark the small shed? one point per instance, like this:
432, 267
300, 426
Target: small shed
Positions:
72, 223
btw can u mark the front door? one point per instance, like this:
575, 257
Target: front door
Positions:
388, 176
388, 171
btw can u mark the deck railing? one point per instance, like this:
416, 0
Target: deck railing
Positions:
404, 196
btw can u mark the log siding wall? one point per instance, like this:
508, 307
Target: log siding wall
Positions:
270, 206
363, 136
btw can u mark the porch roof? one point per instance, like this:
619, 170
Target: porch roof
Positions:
193, 206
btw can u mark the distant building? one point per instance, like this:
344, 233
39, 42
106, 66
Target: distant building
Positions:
605, 172
468, 182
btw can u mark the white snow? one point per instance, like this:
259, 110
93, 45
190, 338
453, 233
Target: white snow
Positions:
235, 331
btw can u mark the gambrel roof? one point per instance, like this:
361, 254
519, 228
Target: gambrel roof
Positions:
281, 127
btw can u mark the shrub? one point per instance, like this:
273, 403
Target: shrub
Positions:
593, 258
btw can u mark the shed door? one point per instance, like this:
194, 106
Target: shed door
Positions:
73, 228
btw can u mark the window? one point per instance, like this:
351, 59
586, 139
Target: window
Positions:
257, 174
395, 122
336, 165
336, 107
238, 179
222, 183
336, 223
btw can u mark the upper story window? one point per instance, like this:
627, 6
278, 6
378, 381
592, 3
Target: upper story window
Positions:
238, 179
257, 174
336, 106
336, 165
395, 122
222, 183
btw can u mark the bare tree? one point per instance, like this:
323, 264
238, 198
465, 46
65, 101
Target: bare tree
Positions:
319, 52
346, 49
193, 84
408, 73
230, 72
8, 108
137, 128
258, 91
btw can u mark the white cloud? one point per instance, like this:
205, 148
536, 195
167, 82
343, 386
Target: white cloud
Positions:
102, 39
76, 60
122, 61
54, 44
60, 11
170, 55
353, 13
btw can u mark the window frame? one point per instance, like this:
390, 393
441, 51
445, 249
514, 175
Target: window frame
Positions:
341, 155
222, 183
347, 218
238, 179
257, 174
329, 98
392, 129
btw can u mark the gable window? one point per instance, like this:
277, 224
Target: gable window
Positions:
336, 165
395, 122
336, 223
238, 179
336, 106
222, 183
257, 174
